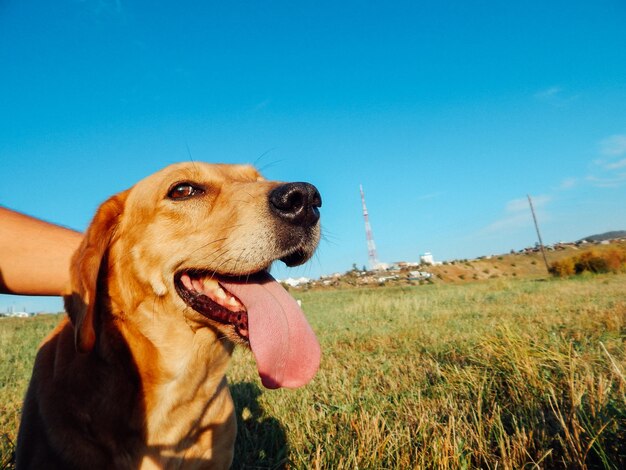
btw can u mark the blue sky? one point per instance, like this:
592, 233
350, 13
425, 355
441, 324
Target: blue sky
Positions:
448, 113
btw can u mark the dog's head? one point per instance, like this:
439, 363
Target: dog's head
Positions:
190, 247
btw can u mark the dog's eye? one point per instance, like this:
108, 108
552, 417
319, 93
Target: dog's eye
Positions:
184, 191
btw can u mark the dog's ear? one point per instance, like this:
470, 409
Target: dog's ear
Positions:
86, 268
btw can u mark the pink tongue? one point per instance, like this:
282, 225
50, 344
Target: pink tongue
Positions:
286, 350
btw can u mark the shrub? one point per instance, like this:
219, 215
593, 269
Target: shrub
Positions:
591, 262
615, 259
563, 268
610, 260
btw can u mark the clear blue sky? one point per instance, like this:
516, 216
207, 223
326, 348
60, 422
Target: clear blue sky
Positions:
448, 113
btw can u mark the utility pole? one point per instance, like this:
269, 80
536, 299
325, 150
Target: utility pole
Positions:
543, 251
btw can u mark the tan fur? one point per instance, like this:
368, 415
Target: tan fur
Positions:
135, 378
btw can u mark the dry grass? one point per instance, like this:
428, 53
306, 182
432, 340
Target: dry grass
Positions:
497, 374
489, 375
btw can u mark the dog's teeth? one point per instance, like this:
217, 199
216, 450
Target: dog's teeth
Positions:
211, 288
186, 280
209, 285
197, 285
220, 294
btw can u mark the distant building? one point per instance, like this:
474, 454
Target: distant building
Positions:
427, 258
301, 281
419, 275
404, 264
15, 314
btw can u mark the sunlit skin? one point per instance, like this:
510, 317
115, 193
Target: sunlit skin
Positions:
34, 255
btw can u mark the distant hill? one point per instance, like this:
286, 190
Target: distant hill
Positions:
605, 236
523, 264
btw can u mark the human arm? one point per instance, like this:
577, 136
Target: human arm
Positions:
34, 255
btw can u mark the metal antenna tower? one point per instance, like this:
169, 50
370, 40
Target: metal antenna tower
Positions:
371, 246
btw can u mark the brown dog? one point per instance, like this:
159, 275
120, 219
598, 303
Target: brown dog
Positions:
170, 275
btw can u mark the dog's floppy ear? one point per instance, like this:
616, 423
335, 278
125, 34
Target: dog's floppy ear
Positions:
85, 270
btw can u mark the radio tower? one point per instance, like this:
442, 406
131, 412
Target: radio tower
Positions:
371, 247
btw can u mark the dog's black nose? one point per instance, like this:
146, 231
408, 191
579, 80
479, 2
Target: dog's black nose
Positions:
296, 203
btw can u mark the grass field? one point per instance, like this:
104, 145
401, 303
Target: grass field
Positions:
502, 374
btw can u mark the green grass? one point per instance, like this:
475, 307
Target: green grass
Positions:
19, 338
496, 374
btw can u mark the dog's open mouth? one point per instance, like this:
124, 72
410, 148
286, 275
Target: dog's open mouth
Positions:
263, 315
207, 295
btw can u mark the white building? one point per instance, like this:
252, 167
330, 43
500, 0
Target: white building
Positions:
419, 275
427, 258
15, 314
296, 282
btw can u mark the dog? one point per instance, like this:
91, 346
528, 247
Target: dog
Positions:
171, 275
